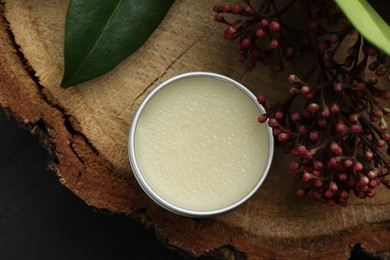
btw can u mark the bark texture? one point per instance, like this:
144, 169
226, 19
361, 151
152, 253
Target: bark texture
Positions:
85, 129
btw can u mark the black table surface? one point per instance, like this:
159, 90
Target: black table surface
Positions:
41, 219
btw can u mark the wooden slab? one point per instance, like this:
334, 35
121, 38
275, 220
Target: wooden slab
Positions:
85, 128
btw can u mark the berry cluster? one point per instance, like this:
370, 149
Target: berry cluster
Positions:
334, 120
261, 32
339, 138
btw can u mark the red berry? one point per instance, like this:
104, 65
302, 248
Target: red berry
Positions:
340, 127
316, 173
325, 112
292, 79
383, 124
261, 99
278, 115
342, 203
360, 86
300, 193
372, 51
262, 118
236, 9
226, 8
337, 87
335, 148
355, 128
283, 137
361, 187
314, 136
328, 194
333, 38
371, 194
301, 129
305, 90
372, 80
328, 55
318, 183
353, 118
294, 152
260, 34
293, 90
246, 42
323, 45
307, 114
316, 196
307, 176
241, 58
368, 155
344, 195
358, 166
274, 44
294, 166
351, 183
332, 163
335, 108
219, 18
372, 174
274, 26
217, 8
361, 195
373, 65
322, 123
333, 186
289, 53
239, 47
372, 184
313, 107
247, 9
348, 163
277, 131
295, 117
263, 23
386, 136
309, 156
363, 181
318, 165
342, 177
229, 33
380, 143
272, 122
302, 149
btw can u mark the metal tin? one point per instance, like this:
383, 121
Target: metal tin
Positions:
138, 174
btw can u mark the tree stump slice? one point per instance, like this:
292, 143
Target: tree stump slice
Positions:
85, 129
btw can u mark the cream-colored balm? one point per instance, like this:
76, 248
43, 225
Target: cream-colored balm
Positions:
198, 144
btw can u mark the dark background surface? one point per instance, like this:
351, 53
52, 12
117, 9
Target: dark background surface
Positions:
41, 219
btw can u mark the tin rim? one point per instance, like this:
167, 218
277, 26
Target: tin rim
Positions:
138, 174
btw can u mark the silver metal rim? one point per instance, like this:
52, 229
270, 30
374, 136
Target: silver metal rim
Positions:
142, 182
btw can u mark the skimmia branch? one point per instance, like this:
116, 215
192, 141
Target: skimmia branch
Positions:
333, 120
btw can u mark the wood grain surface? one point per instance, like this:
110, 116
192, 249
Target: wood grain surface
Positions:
86, 128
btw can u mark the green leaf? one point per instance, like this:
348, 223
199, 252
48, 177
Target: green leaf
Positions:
100, 34
368, 22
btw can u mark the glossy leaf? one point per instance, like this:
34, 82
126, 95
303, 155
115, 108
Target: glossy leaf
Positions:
368, 22
100, 34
